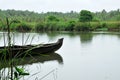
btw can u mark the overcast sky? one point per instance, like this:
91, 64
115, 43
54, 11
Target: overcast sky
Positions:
60, 5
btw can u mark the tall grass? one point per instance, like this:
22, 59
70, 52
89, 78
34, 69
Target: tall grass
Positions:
23, 27
63, 26
9, 69
6, 56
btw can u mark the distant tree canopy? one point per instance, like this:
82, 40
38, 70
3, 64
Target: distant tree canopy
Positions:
52, 18
59, 21
85, 16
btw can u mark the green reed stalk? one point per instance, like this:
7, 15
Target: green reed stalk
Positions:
9, 47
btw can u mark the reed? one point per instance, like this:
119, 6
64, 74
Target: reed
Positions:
23, 27
13, 72
9, 69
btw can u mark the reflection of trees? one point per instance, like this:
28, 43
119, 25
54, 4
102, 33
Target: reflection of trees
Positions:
53, 35
86, 37
118, 36
70, 34
1, 35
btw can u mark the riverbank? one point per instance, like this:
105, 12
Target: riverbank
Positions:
64, 26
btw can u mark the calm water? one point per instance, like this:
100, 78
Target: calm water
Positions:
83, 56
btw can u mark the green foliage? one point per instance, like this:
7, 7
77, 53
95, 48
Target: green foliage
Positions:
70, 26
58, 21
85, 16
104, 25
113, 26
82, 26
102, 29
108, 16
23, 27
40, 27
19, 72
95, 25
62, 25
52, 18
50, 26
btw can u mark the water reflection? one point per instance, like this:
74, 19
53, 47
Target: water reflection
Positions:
86, 37
79, 60
33, 65
35, 38
33, 59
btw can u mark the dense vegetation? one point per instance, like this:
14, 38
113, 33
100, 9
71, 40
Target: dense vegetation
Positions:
58, 21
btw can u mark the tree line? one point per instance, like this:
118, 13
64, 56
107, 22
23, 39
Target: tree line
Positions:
83, 20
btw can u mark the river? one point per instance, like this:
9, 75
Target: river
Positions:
83, 56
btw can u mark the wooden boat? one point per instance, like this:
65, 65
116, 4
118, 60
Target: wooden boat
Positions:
17, 51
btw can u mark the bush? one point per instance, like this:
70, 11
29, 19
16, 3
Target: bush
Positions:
113, 26
70, 26
94, 25
23, 27
51, 26
62, 26
39, 27
82, 26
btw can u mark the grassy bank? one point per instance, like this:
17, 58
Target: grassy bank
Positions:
64, 26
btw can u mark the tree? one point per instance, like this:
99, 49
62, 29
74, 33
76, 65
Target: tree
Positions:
104, 14
52, 18
85, 16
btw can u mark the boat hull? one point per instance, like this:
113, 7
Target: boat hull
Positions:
17, 51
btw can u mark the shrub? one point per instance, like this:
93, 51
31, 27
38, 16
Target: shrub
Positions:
39, 27
82, 26
51, 26
94, 25
70, 26
113, 26
23, 27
